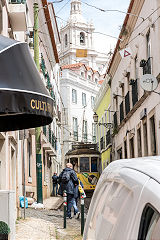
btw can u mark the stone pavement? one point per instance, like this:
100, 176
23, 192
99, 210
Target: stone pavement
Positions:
47, 224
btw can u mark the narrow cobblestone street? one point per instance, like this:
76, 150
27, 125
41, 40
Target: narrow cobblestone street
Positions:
44, 224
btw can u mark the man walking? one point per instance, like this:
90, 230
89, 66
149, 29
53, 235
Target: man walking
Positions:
55, 184
67, 180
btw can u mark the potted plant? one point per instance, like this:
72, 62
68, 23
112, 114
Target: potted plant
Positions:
4, 230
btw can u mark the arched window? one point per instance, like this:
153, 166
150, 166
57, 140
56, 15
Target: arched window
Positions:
74, 8
66, 40
82, 38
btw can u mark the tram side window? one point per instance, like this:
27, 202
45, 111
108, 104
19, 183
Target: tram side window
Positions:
84, 164
74, 162
94, 164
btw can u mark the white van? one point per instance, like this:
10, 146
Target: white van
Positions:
126, 202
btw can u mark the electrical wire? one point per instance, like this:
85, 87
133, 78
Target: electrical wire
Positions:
142, 31
63, 6
83, 29
111, 10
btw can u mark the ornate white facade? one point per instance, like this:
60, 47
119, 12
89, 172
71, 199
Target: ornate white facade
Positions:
78, 34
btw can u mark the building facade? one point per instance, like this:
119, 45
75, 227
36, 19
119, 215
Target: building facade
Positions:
18, 148
79, 86
103, 126
136, 118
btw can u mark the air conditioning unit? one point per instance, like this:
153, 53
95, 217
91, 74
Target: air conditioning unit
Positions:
8, 210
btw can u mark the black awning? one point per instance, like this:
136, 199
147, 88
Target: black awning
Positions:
24, 99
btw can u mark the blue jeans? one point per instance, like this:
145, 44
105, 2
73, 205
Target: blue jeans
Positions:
70, 200
55, 187
75, 206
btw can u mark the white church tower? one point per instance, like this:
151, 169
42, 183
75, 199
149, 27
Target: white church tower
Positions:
75, 35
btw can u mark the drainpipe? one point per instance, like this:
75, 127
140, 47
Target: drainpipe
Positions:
38, 129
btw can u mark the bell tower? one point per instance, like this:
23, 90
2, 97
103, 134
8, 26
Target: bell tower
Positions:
77, 34
75, 7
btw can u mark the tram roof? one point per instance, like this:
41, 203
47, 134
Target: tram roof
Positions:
82, 151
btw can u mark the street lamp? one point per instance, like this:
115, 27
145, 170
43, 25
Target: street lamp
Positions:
107, 125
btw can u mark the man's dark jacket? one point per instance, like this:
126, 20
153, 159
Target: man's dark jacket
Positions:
70, 185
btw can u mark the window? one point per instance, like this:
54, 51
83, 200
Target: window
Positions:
75, 129
29, 159
66, 40
84, 99
85, 131
82, 74
119, 153
145, 138
153, 136
147, 68
139, 142
131, 141
94, 164
136, 67
94, 132
84, 164
96, 80
89, 77
125, 149
92, 101
149, 225
74, 96
82, 38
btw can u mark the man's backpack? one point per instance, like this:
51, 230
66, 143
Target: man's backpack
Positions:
65, 177
54, 178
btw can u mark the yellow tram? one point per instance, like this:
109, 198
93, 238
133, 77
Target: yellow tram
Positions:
86, 163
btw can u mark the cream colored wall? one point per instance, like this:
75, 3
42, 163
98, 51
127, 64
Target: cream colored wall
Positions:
137, 44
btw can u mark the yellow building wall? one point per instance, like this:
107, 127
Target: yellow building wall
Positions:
105, 158
104, 104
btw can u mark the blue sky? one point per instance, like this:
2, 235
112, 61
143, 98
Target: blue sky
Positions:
105, 22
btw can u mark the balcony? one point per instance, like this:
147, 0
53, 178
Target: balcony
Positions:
17, 14
49, 141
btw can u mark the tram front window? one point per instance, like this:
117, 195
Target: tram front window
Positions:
94, 164
84, 164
